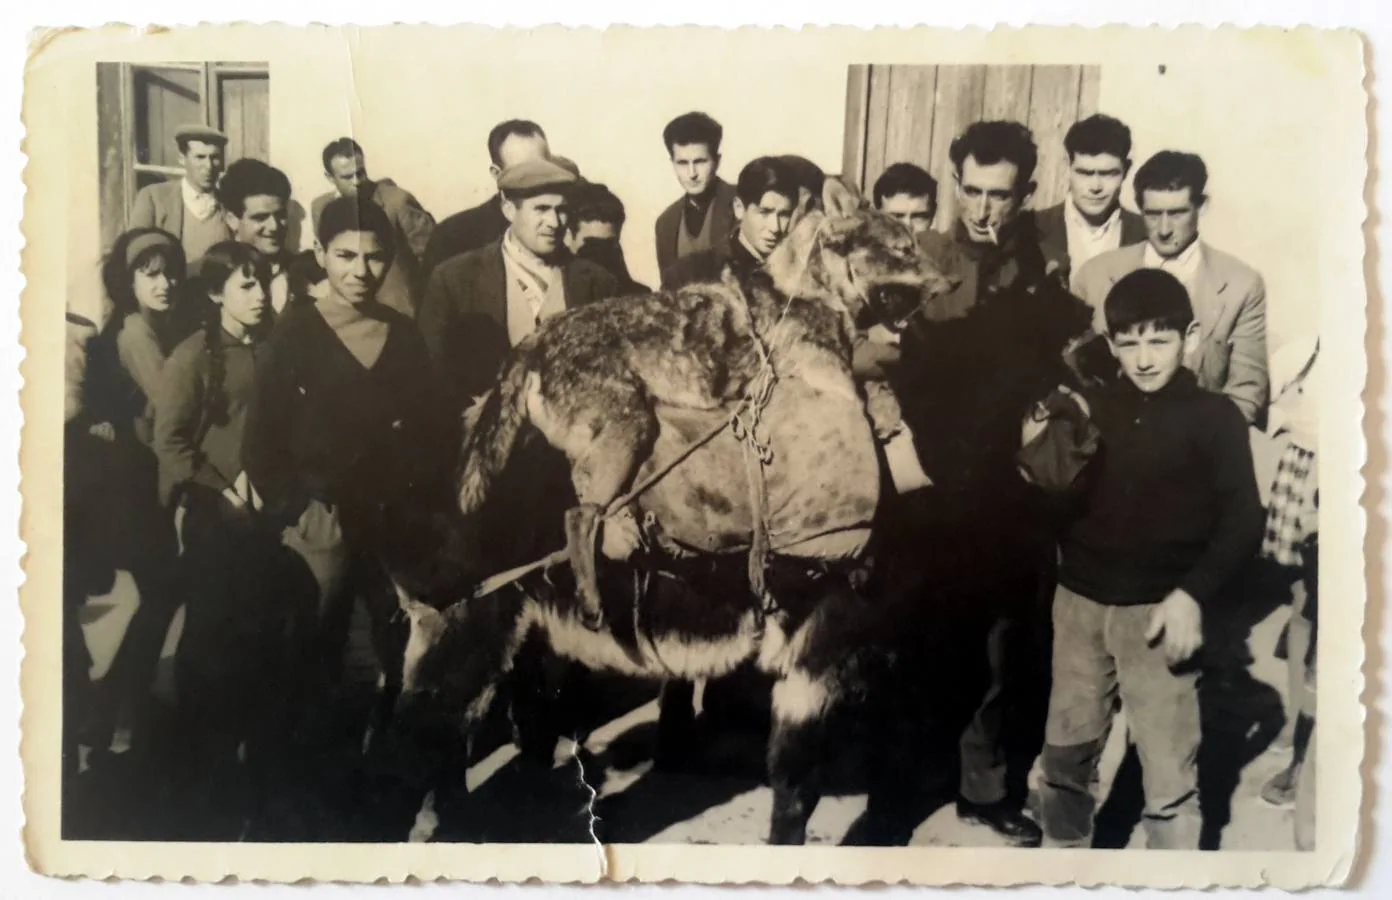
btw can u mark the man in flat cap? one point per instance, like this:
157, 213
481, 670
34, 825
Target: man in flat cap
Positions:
481, 303
477, 306
509, 143
188, 208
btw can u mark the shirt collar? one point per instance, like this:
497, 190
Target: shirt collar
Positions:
749, 248
202, 203
1182, 266
1075, 218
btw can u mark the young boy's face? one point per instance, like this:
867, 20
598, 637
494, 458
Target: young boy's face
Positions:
1150, 355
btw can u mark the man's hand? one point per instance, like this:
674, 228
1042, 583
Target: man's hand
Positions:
1045, 410
1177, 621
619, 536
103, 430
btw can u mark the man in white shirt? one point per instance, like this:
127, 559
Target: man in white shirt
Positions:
188, 208
1090, 221
1229, 297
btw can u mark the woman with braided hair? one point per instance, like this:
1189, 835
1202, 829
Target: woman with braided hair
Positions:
237, 604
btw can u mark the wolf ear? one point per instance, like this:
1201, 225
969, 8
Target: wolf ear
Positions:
840, 197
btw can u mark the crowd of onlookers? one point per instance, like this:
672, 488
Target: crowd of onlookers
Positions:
251, 431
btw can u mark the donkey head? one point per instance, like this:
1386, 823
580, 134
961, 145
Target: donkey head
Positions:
456, 656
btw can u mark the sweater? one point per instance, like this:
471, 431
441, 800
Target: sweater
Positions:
372, 441
193, 445
1168, 501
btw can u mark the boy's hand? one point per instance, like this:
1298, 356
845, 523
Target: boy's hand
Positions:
1179, 621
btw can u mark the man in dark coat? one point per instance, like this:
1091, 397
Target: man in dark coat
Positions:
766, 199
1090, 221
703, 218
509, 143
974, 545
478, 305
476, 308
593, 232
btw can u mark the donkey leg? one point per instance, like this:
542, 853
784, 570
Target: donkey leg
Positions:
797, 750
676, 723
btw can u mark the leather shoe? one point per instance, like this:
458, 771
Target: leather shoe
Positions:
1004, 819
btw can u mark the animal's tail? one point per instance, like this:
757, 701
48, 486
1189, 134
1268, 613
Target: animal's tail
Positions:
493, 434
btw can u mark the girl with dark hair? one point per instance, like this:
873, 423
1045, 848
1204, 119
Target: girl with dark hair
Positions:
235, 602
143, 276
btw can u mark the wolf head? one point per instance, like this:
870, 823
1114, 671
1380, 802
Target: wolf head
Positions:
857, 260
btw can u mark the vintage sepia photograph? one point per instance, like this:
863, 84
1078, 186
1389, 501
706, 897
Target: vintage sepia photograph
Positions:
925, 456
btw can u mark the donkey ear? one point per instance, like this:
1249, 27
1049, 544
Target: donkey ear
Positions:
840, 197
409, 605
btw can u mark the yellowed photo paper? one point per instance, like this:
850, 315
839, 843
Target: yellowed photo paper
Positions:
707, 455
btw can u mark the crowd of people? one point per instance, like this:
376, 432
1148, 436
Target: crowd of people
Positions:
251, 431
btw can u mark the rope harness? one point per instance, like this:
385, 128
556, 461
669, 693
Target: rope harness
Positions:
745, 423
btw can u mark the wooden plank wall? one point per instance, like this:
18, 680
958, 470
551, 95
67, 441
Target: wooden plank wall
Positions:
138, 110
245, 105
912, 113
112, 150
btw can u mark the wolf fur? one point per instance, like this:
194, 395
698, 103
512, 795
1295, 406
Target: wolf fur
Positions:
596, 381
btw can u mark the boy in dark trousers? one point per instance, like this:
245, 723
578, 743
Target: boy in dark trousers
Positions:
1162, 509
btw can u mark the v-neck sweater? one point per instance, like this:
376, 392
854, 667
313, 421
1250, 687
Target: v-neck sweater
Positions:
323, 426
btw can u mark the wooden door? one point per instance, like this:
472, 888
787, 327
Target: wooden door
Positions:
139, 107
912, 113
243, 112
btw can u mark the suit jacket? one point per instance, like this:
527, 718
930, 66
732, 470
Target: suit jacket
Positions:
414, 226
1052, 231
1229, 301
161, 206
722, 215
465, 231
464, 315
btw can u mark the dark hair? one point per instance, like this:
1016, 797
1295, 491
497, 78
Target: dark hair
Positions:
767, 173
693, 128
344, 146
1097, 134
1172, 170
997, 141
302, 273
118, 277
504, 130
808, 174
1144, 297
249, 177
221, 262
595, 203
905, 178
355, 214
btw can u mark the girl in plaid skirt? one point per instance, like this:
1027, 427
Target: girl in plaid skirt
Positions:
1292, 542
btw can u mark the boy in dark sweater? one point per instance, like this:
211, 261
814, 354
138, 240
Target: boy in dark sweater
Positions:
1163, 511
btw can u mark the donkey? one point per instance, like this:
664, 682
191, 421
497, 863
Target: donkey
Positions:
623, 386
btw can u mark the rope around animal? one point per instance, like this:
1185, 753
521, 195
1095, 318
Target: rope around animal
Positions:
758, 454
